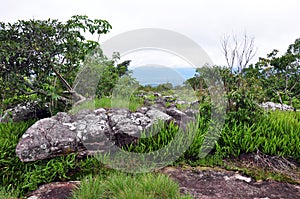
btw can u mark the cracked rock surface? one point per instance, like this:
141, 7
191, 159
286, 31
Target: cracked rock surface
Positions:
89, 131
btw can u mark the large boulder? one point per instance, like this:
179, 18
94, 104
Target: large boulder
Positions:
87, 132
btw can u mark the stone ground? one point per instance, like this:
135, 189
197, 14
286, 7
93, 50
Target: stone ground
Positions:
215, 183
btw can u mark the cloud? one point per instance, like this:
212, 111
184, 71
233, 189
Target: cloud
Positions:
274, 23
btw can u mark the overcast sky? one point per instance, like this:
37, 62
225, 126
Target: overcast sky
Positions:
274, 23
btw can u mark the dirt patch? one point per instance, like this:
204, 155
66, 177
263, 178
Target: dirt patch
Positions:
218, 183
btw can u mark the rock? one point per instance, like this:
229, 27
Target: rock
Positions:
48, 138
275, 106
160, 102
143, 110
221, 184
169, 98
175, 113
26, 111
191, 112
85, 132
156, 115
57, 190
180, 102
157, 95
195, 103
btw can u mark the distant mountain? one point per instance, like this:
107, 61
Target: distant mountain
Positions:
158, 74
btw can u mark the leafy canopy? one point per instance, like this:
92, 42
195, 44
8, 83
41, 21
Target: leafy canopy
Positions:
35, 54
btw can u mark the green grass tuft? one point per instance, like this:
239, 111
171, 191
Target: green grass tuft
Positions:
120, 185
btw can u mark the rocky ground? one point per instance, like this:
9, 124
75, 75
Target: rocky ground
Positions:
214, 183
200, 182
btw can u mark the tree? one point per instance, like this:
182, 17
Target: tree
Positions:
280, 75
43, 57
238, 53
110, 76
240, 87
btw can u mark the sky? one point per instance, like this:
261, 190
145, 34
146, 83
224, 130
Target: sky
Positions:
273, 23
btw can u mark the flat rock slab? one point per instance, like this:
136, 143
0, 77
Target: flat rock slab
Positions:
55, 190
203, 184
222, 184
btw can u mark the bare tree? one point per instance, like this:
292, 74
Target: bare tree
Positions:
238, 52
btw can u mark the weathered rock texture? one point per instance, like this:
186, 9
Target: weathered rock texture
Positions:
222, 184
25, 111
273, 106
87, 132
55, 190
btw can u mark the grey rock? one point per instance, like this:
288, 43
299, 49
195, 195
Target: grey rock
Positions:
26, 111
85, 132
156, 115
157, 95
160, 102
180, 102
275, 106
143, 110
195, 103
57, 190
169, 98
47, 138
88, 132
175, 113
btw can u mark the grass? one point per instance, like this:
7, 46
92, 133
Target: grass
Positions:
277, 134
128, 186
106, 102
4, 194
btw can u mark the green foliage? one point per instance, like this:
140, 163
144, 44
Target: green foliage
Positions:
43, 56
240, 92
110, 77
280, 75
120, 185
8, 194
161, 88
275, 134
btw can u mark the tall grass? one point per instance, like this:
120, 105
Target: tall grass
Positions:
278, 133
126, 186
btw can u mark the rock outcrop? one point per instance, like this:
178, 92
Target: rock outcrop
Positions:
274, 106
87, 131
25, 111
